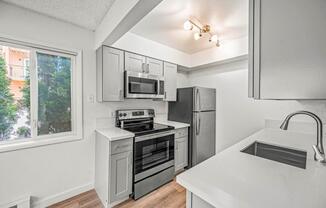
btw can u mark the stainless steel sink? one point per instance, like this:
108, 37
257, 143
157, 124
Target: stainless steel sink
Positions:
284, 155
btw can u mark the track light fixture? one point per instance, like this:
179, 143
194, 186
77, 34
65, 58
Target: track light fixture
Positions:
192, 23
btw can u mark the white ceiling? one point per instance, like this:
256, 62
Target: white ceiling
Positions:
164, 24
84, 13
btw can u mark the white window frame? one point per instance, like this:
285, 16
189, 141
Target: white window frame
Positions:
76, 98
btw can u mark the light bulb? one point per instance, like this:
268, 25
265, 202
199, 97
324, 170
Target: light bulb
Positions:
187, 25
218, 43
197, 36
213, 39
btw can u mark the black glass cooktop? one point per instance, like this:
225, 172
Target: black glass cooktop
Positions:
148, 129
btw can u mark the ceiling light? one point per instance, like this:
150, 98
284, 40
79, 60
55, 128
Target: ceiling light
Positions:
187, 25
213, 39
217, 43
197, 36
203, 29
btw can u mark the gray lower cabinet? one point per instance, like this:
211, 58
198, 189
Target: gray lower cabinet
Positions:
287, 49
110, 73
181, 149
113, 169
121, 178
170, 79
193, 201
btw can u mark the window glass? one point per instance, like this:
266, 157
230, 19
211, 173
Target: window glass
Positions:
14, 93
54, 93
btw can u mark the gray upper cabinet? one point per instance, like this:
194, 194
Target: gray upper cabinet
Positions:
170, 79
154, 66
142, 64
110, 68
135, 62
287, 49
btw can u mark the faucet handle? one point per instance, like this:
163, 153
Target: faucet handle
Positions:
318, 155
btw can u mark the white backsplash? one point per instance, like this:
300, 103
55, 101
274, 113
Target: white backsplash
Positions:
107, 118
297, 126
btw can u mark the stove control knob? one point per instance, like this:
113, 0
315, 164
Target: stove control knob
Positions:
120, 114
124, 114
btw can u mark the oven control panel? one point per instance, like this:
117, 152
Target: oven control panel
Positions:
132, 114
138, 113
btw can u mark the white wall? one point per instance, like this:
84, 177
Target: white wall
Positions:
237, 115
229, 49
135, 43
51, 172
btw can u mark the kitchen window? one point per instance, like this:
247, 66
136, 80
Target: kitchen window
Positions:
40, 95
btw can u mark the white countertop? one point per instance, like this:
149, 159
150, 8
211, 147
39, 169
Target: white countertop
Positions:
233, 179
176, 125
115, 133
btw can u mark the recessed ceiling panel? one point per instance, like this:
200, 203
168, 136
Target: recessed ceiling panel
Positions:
164, 24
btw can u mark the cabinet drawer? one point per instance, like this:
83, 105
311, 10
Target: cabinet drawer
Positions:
181, 132
121, 146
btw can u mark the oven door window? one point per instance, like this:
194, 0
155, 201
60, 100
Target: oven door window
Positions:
142, 86
153, 152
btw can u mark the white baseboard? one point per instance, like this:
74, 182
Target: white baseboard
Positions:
45, 202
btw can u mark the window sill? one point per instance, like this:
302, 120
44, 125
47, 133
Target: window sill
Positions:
8, 147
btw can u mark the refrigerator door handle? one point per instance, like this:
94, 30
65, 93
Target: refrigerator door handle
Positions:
198, 105
199, 101
197, 123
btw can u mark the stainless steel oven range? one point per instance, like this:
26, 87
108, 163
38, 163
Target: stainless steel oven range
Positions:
153, 161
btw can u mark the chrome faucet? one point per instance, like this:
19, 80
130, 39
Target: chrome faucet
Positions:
319, 148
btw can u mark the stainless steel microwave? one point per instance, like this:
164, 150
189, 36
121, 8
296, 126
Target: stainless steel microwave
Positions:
141, 85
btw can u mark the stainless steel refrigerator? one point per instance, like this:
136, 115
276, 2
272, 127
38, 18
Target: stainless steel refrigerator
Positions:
196, 106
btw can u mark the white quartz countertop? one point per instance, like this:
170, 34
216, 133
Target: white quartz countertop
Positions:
232, 179
176, 125
115, 133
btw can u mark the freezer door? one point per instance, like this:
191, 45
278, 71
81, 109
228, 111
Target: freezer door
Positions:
204, 136
204, 99
182, 109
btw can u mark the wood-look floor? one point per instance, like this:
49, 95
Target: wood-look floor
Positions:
171, 195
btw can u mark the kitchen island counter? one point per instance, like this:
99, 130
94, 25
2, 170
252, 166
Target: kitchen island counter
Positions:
232, 179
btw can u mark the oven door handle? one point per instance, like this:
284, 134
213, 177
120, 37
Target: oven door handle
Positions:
153, 136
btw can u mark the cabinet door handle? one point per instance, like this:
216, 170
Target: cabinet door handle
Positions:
120, 94
164, 95
143, 67
122, 146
